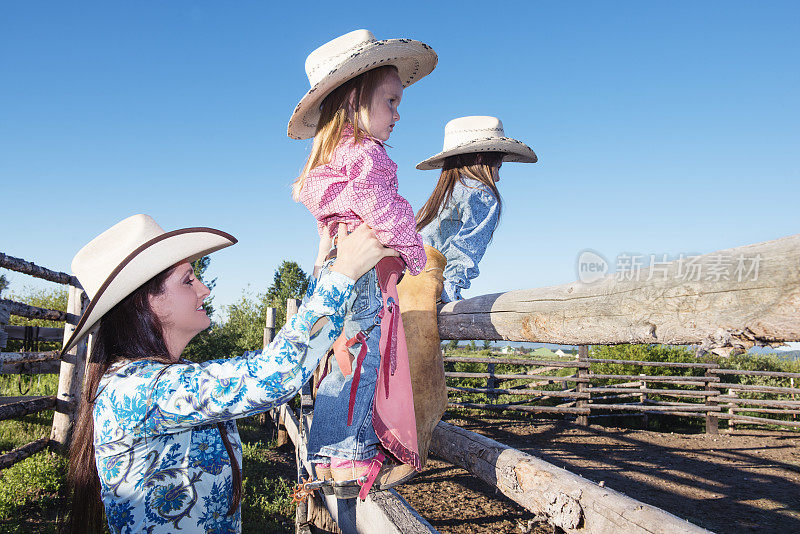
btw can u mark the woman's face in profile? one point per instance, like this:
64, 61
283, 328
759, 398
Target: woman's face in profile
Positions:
180, 306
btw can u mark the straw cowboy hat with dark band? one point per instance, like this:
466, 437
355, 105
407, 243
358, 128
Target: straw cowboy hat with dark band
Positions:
118, 261
478, 134
344, 58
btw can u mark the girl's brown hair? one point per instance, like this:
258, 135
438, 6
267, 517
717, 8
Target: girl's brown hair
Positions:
476, 165
347, 104
129, 331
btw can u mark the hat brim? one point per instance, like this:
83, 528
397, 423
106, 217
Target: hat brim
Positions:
414, 60
144, 263
513, 151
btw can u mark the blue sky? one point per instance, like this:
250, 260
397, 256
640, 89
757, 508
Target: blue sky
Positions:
661, 127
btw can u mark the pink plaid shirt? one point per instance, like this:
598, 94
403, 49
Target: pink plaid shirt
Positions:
360, 185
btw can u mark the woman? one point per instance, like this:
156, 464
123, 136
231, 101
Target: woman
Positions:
156, 440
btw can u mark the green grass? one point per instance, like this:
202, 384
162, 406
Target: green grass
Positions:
32, 491
31, 494
17, 432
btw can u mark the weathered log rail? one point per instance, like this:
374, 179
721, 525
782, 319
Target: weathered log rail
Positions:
26, 267
569, 501
70, 367
706, 389
761, 307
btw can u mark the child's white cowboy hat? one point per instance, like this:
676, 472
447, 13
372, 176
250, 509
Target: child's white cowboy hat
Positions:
344, 58
478, 134
115, 263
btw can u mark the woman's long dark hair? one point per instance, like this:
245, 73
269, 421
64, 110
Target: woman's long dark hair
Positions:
129, 331
475, 165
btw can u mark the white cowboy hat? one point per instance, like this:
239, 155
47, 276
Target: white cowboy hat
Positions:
478, 134
344, 58
115, 263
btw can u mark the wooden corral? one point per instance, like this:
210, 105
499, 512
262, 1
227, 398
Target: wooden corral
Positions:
718, 312
756, 302
70, 367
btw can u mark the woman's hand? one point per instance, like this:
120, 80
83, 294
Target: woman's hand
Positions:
358, 252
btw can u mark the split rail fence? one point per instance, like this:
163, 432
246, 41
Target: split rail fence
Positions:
584, 393
70, 367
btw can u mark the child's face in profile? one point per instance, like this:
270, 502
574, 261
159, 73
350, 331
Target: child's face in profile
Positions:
383, 107
496, 172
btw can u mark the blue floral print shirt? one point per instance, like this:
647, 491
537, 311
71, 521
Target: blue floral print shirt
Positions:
162, 463
461, 232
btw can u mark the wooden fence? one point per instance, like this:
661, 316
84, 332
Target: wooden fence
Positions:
719, 314
715, 395
70, 368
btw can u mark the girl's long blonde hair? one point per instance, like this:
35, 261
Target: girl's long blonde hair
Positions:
347, 104
476, 165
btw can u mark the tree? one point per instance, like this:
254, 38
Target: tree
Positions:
453, 345
242, 326
3, 284
290, 282
487, 344
472, 346
241, 330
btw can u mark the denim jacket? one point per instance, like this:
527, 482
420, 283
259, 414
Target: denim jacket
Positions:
461, 232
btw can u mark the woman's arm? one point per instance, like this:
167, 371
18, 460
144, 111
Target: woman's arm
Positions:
153, 398
479, 217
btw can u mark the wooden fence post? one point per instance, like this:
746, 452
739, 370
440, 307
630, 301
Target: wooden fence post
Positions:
491, 383
712, 421
269, 327
643, 400
731, 423
269, 335
282, 437
301, 512
4, 316
70, 380
582, 387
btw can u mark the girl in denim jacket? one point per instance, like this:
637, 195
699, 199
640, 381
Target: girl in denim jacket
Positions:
462, 213
357, 83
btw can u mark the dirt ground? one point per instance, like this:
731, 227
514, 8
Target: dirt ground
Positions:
745, 481
740, 482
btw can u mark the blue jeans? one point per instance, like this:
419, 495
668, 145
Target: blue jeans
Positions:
330, 435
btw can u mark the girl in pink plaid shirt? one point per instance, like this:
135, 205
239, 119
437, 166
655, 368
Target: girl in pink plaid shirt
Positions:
349, 178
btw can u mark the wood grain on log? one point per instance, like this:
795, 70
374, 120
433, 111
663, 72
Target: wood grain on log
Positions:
746, 308
10, 458
13, 410
515, 407
21, 266
537, 392
758, 420
514, 361
29, 362
44, 367
566, 499
34, 312
449, 374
